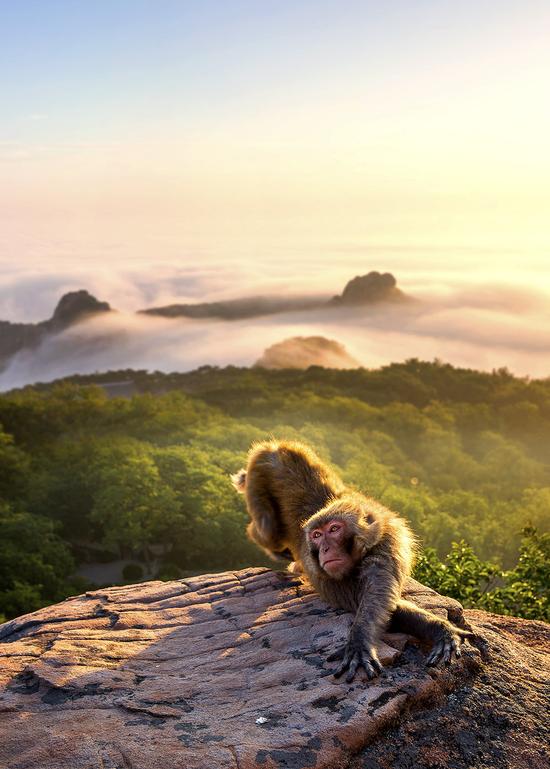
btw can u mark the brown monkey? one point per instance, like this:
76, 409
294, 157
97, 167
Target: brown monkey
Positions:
355, 552
284, 484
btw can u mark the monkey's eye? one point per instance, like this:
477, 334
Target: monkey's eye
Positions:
335, 527
315, 534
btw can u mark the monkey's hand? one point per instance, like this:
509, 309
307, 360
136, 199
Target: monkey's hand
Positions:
358, 652
446, 642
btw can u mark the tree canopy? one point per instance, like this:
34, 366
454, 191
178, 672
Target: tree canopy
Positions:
463, 455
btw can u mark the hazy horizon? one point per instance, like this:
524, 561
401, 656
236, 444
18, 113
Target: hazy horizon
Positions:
183, 152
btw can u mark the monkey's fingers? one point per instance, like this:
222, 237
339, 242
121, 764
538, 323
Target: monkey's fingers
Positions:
337, 655
372, 667
436, 653
341, 669
354, 664
475, 639
355, 659
376, 664
370, 670
450, 646
445, 648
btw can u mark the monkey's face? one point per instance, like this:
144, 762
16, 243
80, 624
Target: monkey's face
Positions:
330, 544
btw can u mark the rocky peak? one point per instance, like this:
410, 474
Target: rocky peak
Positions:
370, 288
73, 306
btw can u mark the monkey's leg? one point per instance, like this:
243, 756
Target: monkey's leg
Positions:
295, 567
265, 526
447, 638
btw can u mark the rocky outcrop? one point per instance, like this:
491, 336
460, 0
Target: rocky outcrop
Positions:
370, 289
224, 671
305, 351
497, 719
71, 308
363, 290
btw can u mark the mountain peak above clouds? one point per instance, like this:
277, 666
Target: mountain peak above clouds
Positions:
73, 306
370, 288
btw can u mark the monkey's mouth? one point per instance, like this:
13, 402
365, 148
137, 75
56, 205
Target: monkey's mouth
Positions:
332, 560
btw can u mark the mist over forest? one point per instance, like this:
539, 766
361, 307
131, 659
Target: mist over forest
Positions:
120, 472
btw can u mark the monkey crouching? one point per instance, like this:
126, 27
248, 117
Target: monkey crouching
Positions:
356, 553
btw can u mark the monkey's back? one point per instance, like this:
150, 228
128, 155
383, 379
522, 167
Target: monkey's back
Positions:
293, 479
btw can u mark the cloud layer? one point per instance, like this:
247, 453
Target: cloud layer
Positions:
483, 327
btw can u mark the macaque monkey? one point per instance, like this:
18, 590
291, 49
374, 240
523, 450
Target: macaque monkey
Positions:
355, 552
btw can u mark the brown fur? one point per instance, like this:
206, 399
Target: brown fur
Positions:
284, 484
289, 492
380, 537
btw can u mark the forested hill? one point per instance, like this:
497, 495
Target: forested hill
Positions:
88, 478
415, 382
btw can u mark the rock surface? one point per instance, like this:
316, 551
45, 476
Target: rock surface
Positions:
223, 671
497, 719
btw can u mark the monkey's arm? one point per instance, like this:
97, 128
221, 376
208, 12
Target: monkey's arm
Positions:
379, 594
447, 638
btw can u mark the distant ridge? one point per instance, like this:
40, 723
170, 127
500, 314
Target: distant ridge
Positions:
235, 309
363, 290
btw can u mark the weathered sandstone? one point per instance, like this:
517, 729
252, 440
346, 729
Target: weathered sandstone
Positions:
222, 671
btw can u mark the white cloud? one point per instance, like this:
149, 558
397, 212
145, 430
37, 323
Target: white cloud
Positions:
484, 328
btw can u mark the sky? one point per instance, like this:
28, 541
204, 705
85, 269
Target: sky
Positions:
167, 150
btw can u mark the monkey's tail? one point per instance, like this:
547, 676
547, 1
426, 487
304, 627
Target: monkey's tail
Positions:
239, 480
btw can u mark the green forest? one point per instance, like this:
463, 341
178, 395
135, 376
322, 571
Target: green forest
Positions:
87, 477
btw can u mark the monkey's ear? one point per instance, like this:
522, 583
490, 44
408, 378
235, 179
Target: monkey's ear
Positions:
369, 529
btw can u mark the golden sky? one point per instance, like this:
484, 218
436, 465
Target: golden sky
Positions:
295, 131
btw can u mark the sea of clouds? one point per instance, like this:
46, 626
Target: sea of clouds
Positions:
480, 325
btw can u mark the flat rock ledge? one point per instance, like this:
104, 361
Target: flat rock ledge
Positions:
220, 671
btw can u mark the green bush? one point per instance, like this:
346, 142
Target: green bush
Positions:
523, 591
